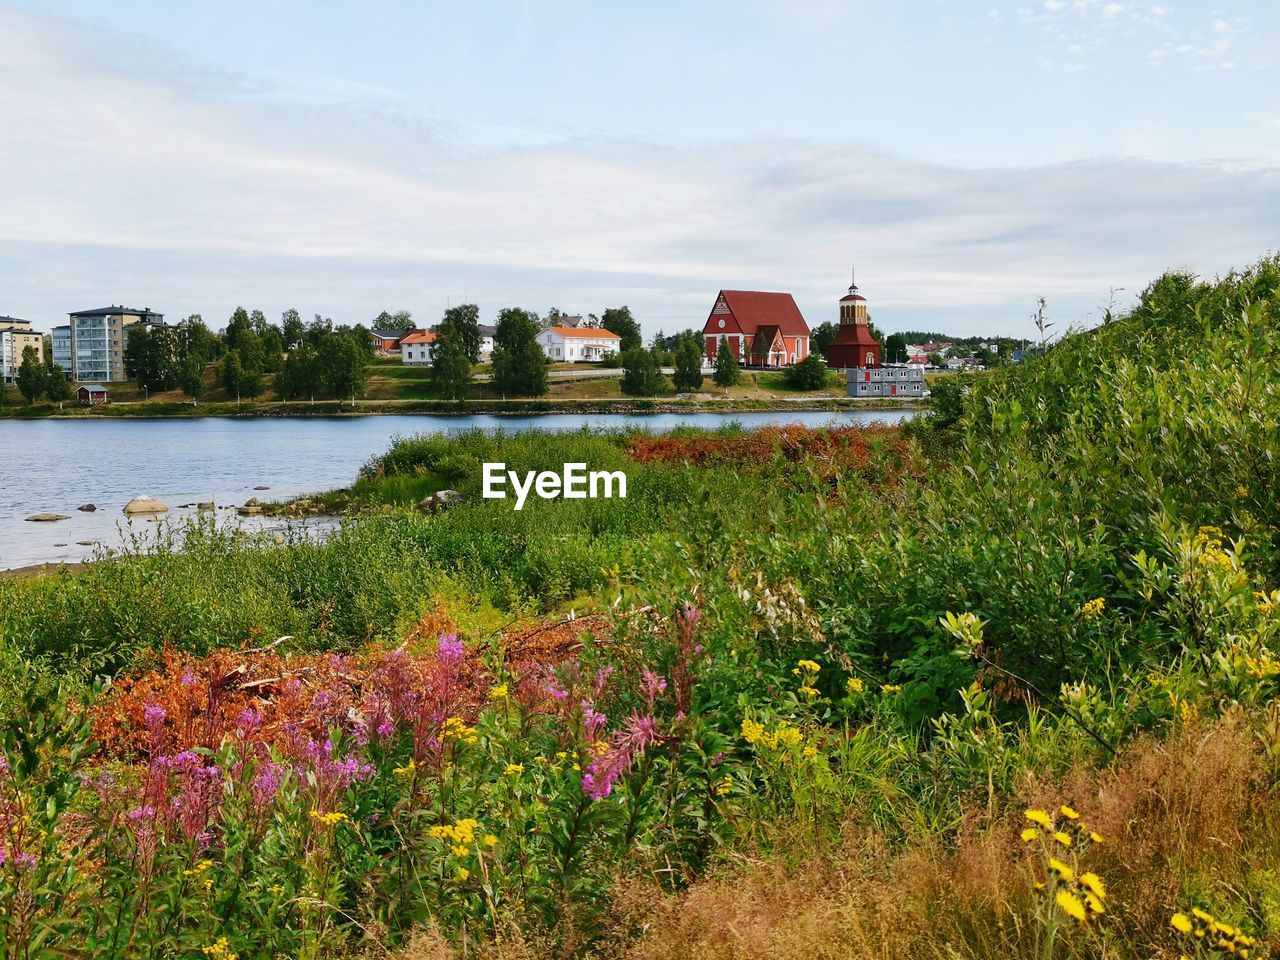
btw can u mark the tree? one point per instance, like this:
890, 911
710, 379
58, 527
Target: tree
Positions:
190, 375
727, 372
641, 376
301, 376
464, 322
31, 381
237, 327
251, 384
895, 348
231, 373
450, 365
519, 365
344, 363
56, 388
811, 373
194, 338
619, 320
936, 359
399, 320
4, 393
292, 329
822, 336
688, 366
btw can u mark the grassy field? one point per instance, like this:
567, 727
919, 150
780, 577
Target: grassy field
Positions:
1005, 683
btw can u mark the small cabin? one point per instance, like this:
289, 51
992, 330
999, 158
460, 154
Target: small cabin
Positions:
91, 395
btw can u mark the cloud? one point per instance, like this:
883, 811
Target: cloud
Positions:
163, 189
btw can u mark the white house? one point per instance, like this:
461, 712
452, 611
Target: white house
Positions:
571, 344
415, 347
487, 332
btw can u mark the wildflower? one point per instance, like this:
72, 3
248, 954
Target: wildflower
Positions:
1094, 884
751, 730
328, 819
1064, 872
514, 768
1093, 608
276, 889
1095, 836
500, 692
1069, 813
1029, 834
1062, 838
460, 851
407, 770
723, 787
810, 751
805, 666
490, 840
854, 685
1181, 923
890, 688
1040, 817
462, 874
1071, 905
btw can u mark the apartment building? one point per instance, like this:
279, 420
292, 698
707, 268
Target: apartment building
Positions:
61, 347
15, 336
98, 340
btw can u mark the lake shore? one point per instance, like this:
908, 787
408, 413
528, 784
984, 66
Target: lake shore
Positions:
334, 408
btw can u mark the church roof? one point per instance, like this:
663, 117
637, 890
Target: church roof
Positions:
755, 309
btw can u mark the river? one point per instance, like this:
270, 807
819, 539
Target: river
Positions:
55, 466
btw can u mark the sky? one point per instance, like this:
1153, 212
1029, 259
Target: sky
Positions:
343, 158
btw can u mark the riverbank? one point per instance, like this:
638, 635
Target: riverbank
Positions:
335, 408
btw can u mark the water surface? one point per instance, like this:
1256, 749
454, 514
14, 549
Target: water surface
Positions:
54, 466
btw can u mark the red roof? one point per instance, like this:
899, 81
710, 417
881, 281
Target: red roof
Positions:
589, 333
754, 309
417, 336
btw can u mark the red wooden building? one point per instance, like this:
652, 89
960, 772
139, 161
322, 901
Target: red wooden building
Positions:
853, 346
762, 329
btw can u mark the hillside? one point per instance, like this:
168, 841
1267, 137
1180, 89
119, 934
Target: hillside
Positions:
1001, 685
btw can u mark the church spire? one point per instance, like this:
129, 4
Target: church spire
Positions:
853, 286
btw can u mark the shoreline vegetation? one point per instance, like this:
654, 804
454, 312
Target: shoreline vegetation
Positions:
1002, 682
331, 408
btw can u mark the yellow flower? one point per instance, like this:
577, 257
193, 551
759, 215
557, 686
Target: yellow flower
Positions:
1063, 838
751, 730
810, 751
1061, 869
1030, 834
1181, 922
1040, 817
809, 691
462, 874
1094, 884
808, 666
1094, 902
1071, 905
1095, 836
890, 688
499, 692
1093, 608
459, 850
490, 840
406, 770
327, 819
275, 889
854, 685
513, 769
724, 787
1069, 813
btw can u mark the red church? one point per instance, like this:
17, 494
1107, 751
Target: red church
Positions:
762, 329
853, 346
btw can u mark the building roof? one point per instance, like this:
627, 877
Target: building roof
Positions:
487, 329
114, 311
93, 387
388, 334
585, 333
754, 309
417, 336
12, 323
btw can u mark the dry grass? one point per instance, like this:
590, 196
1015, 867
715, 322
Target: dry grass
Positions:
1191, 819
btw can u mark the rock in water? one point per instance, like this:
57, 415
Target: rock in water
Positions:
46, 517
207, 505
145, 505
86, 508
249, 510
252, 502
262, 488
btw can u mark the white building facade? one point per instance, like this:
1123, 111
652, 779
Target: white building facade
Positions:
573, 344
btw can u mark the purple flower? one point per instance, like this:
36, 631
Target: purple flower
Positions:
188, 679
154, 716
266, 784
451, 649
248, 721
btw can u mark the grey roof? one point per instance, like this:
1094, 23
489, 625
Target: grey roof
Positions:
93, 387
488, 330
114, 311
389, 334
